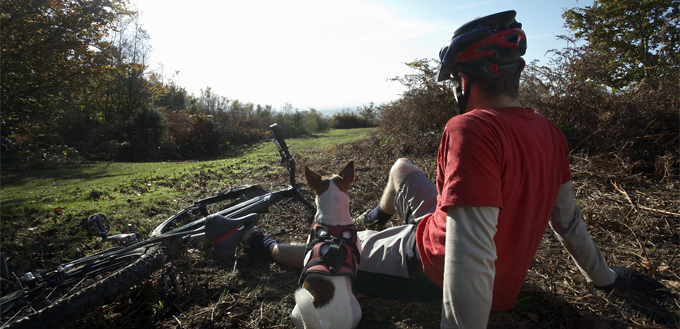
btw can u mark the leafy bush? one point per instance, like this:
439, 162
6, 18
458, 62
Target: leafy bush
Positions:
189, 136
638, 123
145, 131
38, 155
414, 123
364, 117
347, 120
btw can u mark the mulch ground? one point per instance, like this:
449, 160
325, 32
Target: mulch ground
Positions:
633, 218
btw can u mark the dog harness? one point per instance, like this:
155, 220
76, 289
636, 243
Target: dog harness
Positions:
332, 253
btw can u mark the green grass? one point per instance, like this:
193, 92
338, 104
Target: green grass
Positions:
83, 185
44, 209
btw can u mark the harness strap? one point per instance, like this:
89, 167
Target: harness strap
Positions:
333, 251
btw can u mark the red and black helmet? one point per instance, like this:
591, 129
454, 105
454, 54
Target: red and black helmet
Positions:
484, 47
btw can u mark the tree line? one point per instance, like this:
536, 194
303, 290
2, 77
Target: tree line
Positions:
76, 85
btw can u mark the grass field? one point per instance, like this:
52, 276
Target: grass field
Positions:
38, 204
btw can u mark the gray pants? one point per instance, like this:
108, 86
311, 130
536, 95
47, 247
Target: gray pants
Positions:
390, 265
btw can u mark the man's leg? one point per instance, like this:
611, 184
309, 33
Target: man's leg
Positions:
390, 266
289, 254
399, 170
385, 209
293, 254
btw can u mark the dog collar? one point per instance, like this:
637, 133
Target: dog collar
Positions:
332, 252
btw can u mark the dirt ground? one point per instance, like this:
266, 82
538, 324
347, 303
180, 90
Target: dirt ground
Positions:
633, 218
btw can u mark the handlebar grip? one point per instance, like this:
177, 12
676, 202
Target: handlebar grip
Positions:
278, 135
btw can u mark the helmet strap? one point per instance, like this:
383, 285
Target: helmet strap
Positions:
461, 98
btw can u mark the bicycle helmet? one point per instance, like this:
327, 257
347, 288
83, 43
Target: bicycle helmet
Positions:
482, 47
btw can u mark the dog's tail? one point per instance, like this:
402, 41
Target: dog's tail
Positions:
305, 302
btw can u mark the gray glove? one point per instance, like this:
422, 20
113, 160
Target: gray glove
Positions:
629, 280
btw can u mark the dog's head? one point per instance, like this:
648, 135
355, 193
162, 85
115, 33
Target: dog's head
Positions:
331, 194
320, 184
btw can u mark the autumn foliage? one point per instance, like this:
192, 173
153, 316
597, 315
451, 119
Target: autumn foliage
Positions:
76, 87
624, 104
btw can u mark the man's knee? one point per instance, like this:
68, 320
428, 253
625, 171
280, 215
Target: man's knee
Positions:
401, 168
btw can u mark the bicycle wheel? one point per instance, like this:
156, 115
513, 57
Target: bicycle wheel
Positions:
125, 270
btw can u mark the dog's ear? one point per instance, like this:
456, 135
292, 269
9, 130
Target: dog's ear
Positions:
313, 179
347, 174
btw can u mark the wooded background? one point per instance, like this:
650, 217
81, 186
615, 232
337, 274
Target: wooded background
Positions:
76, 87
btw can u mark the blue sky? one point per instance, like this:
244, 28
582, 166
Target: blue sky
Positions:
319, 54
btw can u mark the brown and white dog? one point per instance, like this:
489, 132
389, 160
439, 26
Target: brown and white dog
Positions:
325, 298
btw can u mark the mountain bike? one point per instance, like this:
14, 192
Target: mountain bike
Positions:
67, 292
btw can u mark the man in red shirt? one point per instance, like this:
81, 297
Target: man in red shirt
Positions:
502, 177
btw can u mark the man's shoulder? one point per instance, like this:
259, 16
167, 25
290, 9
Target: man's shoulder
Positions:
474, 119
468, 118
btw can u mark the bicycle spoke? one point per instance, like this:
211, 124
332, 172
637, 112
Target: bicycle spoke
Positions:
74, 287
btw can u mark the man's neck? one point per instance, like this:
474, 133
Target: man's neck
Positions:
478, 100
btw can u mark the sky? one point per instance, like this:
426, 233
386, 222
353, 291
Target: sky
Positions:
326, 55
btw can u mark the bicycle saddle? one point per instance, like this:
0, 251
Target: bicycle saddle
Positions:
225, 233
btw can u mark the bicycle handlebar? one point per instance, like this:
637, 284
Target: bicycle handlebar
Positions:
286, 159
281, 142
288, 162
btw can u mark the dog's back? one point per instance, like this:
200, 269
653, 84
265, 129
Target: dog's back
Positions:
343, 312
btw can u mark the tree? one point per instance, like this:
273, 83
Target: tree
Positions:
619, 91
630, 39
51, 51
127, 89
369, 113
146, 130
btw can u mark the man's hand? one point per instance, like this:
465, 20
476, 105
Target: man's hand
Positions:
629, 280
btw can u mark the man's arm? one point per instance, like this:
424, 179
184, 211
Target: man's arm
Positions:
570, 229
469, 266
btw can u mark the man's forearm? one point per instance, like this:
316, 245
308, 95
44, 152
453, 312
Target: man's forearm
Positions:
469, 266
572, 232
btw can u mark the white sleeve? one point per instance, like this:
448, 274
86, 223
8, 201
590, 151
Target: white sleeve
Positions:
570, 229
469, 266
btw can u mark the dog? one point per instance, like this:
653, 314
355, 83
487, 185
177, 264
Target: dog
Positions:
325, 298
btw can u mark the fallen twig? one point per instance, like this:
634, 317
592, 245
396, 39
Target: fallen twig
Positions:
635, 207
659, 211
622, 191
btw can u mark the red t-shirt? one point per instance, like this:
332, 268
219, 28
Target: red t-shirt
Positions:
514, 159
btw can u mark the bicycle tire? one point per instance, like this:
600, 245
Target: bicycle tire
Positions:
101, 292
